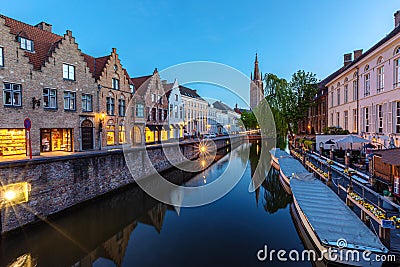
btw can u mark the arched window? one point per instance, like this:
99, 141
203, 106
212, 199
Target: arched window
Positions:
346, 80
366, 68
380, 60
137, 135
397, 50
355, 75
338, 84
110, 128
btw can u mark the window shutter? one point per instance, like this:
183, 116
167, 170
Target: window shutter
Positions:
385, 118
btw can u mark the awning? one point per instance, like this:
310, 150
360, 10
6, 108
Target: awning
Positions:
390, 156
152, 128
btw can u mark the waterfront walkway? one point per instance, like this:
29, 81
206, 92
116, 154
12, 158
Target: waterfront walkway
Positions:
361, 186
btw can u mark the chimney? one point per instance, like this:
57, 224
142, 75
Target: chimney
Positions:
357, 53
44, 26
347, 59
397, 18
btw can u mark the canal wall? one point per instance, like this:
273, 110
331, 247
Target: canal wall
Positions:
58, 183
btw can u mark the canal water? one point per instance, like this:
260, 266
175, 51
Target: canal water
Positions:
129, 228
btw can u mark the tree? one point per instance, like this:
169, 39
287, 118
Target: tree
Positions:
249, 120
290, 101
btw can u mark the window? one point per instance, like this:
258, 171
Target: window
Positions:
165, 114
132, 88
180, 112
355, 117
346, 93
338, 96
115, 84
176, 97
396, 72
69, 72
176, 111
331, 119
121, 133
367, 84
381, 80
110, 128
380, 118
69, 100
171, 108
87, 103
332, 99
159, 115
153, 98
337, 119
140, 110
121, 107
26, 44
397, 117
1, 57
110, 105
366, 119
49, 98
346, 120
12, 95
160, 99
355, 90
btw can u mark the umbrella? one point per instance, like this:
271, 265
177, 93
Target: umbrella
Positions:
352, 139
330, 142
369, 145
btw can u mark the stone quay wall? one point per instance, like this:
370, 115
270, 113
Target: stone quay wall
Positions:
58, 183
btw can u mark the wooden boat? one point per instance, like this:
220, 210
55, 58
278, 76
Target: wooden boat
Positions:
288, 168
338, 228
277, 153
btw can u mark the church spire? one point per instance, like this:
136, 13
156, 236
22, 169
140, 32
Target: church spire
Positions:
256, 69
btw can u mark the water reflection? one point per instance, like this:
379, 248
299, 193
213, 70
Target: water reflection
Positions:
275, 197
132, 229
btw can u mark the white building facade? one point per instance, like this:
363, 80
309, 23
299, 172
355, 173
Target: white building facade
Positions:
175, 110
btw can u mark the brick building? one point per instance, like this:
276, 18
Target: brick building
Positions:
114, 92
45, 78
151, 90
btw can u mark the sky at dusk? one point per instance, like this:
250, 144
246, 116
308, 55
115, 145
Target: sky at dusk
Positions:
288, 35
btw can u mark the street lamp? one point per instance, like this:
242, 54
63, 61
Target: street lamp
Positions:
102, 117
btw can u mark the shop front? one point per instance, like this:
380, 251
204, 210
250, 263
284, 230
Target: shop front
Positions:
12, 142
56, 140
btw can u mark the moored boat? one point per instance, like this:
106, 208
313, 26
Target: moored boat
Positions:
337, 230
288, 168
276, 154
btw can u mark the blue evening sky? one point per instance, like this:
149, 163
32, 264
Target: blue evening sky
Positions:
288, 35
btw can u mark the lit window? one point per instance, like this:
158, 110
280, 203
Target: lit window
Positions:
69, 72
115, 84
49, 98
12, 95
121, 133
1, 57
26, 44
110, 128
87, 103
69, 100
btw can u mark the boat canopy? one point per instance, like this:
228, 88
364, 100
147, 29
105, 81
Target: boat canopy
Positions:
331, 219
289, 166
277, 152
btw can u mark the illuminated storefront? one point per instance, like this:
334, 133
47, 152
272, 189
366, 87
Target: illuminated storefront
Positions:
151, 134
56, 140
121, 134
12, 142
164, 133
110, 129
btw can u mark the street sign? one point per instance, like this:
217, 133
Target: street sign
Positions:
27, 124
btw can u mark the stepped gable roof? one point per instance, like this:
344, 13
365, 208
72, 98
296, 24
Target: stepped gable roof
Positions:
221, 106
96, 65
168, 88
139, 81
44, 42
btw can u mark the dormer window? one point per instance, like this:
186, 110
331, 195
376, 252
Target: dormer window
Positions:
132, 88
115, 84
26, 44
